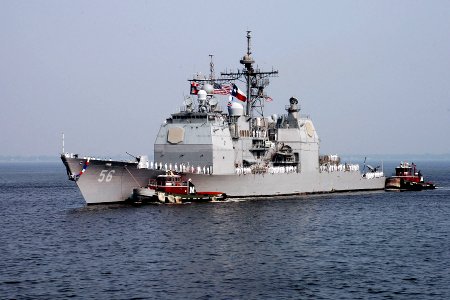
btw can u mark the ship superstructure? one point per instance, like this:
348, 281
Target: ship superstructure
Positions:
241, 139
239, 150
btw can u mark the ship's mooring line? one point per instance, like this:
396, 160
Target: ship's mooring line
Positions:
131, 175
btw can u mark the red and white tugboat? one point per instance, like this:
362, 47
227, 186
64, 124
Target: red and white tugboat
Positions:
407, 178
170, 188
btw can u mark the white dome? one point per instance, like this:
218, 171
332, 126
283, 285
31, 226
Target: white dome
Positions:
274, 117
201, 95
236, 109
209, 89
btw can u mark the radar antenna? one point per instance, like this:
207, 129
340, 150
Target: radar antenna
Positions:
211, 68
256, 81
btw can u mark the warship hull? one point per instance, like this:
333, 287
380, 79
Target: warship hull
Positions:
269, 185
105, 181
241, 151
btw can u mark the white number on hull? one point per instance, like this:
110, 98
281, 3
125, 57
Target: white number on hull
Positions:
106, 176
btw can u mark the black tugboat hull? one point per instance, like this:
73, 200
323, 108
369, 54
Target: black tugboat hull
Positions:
401, 185
147, 196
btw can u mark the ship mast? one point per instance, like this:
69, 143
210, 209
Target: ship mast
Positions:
248, 62
211, 69
255, 79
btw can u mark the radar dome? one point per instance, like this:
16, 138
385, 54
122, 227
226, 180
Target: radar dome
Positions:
209, 89
275, 117
235, 109
201, 95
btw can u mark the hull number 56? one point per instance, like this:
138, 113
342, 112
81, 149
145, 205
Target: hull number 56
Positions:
106, 175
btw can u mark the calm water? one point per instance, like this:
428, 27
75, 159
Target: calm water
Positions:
365, 245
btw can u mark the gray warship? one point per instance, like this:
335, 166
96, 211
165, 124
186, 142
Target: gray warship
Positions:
237, 150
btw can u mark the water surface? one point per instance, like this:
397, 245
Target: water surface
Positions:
341, 246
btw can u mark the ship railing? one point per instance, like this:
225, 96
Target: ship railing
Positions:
258, 134
243, 171
372, 175
266, 170
339, 168
184, 168
282, 169
215, 109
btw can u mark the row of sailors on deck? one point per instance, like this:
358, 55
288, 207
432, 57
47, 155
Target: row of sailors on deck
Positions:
247, 170
270, 170
372, 175
334, 168
181, 168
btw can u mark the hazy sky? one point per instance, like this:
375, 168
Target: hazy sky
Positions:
373, 75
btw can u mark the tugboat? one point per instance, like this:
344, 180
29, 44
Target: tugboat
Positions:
171, 189
407, 178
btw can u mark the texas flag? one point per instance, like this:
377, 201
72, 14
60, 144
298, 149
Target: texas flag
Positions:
236, 92
194, 88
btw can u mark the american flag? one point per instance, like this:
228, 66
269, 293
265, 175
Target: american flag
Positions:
222, 89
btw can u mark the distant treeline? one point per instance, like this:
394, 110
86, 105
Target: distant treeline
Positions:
395, 157
56, 158
356, 158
